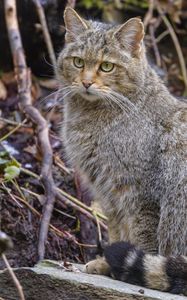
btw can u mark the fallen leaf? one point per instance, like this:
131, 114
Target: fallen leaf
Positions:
11, 172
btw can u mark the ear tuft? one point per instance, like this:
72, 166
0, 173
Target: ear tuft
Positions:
130, 35
75, 25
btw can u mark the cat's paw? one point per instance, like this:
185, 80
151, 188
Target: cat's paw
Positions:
98, 266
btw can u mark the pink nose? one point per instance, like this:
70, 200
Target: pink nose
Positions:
87, 83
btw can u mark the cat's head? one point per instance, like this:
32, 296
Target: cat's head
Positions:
100, 59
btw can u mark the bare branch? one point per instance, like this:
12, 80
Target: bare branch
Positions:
46, 34
149, 14
176, 43
6, 244
14, 278
155, 47
71, 3
24, 83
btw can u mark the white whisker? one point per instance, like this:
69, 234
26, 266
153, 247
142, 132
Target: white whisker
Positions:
118, 102
126, 105
55, 93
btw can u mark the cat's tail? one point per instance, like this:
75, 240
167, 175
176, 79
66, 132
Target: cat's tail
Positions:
134, 266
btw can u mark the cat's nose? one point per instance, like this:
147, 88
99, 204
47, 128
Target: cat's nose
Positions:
87, 83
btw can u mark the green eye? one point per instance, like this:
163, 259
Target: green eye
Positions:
107, 66
78, 62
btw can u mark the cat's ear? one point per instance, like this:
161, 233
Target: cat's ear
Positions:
75, 25
130, 35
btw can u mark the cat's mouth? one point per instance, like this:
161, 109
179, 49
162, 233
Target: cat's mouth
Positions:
88, 94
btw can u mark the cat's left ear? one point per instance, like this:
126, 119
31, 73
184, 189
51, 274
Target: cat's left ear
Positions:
75, 25
130, 35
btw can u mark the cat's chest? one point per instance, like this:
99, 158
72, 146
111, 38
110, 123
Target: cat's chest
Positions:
84, 140
113, 144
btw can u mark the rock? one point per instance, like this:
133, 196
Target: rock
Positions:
48, 280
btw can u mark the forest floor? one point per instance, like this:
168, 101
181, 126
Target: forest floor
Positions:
18, 144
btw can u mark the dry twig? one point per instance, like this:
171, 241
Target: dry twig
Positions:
61, 165
64, 201
155, 47
12, 131
176, 43
69, 197
14, 278
71, 3
24, 83
52, 228
6, 244
149, 14
161, 36
92, 216
46, 34
6, 121
73, 202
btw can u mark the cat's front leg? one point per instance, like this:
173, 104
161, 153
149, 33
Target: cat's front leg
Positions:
114, 230
99, 265
143, 228
172, 229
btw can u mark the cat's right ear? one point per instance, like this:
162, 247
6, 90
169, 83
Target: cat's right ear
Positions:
130, 35
75, 25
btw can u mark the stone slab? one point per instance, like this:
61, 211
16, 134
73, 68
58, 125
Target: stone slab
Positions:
49, 281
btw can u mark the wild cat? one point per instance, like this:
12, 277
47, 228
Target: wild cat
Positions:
127, 135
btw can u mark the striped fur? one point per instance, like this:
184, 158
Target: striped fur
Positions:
134, 266
127, 135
